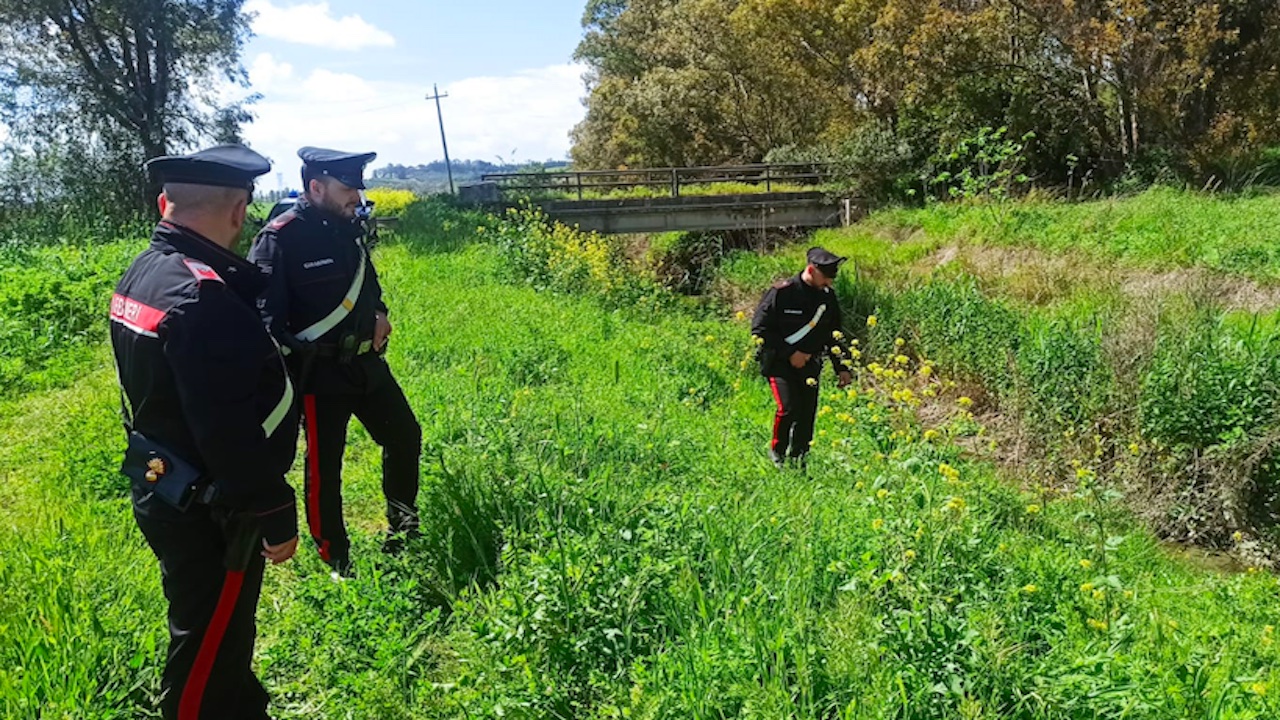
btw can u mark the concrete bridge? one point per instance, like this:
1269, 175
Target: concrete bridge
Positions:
748, 211
790, 198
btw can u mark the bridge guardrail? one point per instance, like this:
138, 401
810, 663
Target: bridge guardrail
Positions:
578, 182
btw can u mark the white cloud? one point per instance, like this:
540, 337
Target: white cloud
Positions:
524, 116
314, 24
266, 73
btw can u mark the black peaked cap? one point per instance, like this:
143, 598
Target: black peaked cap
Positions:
347, 168
221, 166
824, 259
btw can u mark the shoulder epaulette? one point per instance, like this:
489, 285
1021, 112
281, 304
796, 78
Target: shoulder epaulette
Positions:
783, 283
203, 272
282, 219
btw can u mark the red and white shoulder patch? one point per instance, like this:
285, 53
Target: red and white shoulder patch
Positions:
281, 220
136, 316
202, 271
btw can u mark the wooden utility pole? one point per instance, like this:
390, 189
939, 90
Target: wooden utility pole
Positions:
447, 165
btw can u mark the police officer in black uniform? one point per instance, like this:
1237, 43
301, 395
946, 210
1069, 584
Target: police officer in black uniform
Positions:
325, 304
796, 321
212, 425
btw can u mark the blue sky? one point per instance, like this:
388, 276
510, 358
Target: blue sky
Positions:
353, 75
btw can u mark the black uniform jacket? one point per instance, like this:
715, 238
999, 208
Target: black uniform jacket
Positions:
203, 377
311, 257
794, 316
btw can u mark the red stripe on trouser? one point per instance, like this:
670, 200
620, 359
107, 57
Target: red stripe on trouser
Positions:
193, 693
777, 419
313, 474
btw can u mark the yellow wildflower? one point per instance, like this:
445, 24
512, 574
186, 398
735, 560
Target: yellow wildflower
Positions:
1237, 536
757, 339
871, 321
930, 434
1097, 624
811, 382
741, 315
956, 504
1099, 594
1029, 589
909, 555
835, 350
965, 402
1133, 448
877, 524
899, 342
1086, 587
837, 335
926, 371
901, 359
1032, 509
1258, 688
882, 494
1086, 564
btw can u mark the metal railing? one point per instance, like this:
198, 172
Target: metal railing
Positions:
577, 183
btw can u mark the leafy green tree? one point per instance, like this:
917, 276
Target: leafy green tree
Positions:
121, 80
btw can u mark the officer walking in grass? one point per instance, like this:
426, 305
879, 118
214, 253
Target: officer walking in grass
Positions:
212, 429
325, 305
796, 321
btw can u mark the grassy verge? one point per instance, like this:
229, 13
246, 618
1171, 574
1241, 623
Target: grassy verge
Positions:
1161, 228
604, 538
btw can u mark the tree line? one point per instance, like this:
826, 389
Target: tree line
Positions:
89, 89
1091, 90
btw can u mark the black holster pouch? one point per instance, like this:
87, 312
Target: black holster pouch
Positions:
243, 534
765, 357
154, 468
347, 346
302, 355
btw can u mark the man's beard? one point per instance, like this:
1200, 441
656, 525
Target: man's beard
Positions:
337, 208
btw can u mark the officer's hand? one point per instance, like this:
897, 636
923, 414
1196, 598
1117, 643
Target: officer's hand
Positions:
799, 359
280, 553
381, 331
845, 378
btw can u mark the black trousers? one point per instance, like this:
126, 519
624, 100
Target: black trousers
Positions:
797, 407
384, 411
211, 610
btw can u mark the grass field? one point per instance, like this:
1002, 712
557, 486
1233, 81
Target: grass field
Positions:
604, 537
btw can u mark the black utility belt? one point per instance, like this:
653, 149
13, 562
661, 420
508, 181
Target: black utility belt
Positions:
154, 468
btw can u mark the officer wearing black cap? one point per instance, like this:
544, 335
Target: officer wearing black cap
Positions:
212, 425
325, 304
797, 321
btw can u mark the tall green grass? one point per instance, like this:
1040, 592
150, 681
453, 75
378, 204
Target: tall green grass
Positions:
1161, 228
605, 538
1169, 388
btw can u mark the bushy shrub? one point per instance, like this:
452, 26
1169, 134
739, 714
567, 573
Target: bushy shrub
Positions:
389, 202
